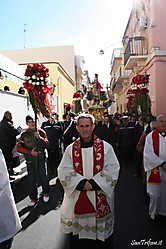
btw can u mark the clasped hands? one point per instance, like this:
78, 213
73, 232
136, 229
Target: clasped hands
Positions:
87, 186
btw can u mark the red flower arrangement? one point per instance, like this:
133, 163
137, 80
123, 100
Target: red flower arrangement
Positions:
131, 101
140, 81
130, 93
36, 83
138, 95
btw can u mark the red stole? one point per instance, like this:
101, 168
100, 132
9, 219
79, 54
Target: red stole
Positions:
83, 204
154, 177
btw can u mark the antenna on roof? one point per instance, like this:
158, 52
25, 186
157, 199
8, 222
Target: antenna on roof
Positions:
24, 35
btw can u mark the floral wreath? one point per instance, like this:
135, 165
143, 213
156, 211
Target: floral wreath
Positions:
36, 83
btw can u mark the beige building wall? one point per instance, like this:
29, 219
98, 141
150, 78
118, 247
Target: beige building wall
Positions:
120, 79
63, 54
14, 86
65, 90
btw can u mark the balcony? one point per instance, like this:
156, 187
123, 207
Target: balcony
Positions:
122, 76
116, 87
136, 53
116, 59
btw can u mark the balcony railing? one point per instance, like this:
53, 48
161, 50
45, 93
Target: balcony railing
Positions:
122, 74
135, 47
116, 86
117, 53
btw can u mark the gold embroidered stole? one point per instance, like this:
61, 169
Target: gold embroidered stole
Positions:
83, 204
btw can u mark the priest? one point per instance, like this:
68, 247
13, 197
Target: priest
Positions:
155, 166
10, 222
88, 173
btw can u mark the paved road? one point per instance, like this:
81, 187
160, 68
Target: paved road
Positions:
40, 223
132, 226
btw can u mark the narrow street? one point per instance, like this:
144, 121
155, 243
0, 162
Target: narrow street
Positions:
132, 226
40, 223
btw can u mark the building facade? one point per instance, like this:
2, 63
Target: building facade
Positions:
65, 70
143, 52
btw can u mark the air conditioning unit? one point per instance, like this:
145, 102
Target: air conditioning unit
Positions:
143, 22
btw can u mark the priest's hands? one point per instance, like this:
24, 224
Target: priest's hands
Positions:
87, 186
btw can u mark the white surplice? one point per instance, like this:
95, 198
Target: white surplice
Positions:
9, 220
157, 192
88, 226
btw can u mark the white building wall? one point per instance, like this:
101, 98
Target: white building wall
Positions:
17, 105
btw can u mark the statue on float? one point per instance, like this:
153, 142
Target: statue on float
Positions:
97, 99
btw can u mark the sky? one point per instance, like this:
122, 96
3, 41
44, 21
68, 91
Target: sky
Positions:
89, 25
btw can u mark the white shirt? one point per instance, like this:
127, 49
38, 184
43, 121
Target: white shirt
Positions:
9, 220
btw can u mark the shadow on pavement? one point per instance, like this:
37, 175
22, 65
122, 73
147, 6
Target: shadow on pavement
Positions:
42, 208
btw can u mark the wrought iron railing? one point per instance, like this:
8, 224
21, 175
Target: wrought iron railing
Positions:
135, 47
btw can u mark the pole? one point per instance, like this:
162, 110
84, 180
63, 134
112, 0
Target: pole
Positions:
36, 158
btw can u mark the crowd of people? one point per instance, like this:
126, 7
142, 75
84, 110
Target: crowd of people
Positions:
86, 157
